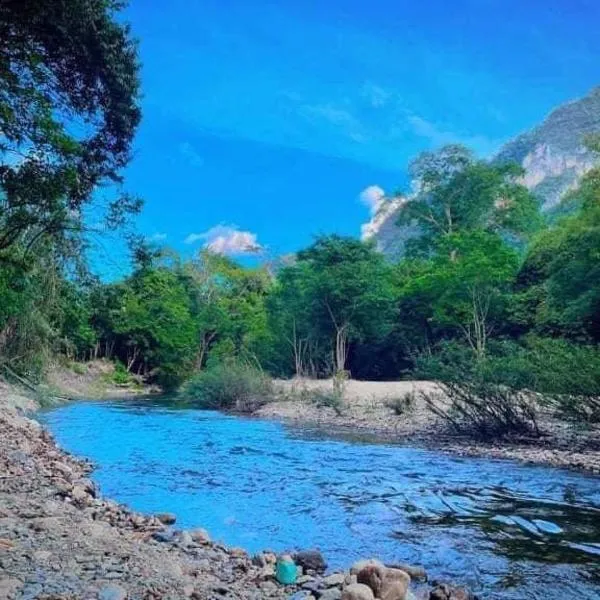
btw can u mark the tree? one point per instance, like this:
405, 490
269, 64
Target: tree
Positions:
464, 287
457, 193
69, 108
347, 286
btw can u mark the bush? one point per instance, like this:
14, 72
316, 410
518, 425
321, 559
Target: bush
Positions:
333, 398
563, 375
483, 410
120, 376
403, 404
228, 386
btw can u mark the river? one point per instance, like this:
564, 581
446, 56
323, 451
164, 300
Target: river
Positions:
508, 530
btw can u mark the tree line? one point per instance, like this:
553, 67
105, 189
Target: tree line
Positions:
487, 282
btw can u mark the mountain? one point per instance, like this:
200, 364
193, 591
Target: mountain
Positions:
553, 155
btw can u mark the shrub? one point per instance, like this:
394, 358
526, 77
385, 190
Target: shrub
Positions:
333, 398
120, 376
403, 404
483, 410
228, 386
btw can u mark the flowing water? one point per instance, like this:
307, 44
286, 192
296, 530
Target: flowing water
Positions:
508, 530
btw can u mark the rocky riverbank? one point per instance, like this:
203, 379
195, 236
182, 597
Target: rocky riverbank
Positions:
60, 540
394, 411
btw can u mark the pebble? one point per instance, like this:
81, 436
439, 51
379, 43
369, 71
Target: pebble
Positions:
112, 592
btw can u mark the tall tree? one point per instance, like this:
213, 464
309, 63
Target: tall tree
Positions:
69, 108
457, 193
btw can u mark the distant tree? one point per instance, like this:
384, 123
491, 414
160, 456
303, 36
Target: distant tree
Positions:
457, 193
347, 292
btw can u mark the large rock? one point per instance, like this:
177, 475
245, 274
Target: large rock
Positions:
358, 591
444, 591
310, 560
386, 583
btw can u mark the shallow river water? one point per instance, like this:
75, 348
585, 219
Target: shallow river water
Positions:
508, 530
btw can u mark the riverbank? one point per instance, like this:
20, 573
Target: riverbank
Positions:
60, 540
369, 409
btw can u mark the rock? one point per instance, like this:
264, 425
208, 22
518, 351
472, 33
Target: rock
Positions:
112, 592
185, 539
415, 571
80, 495
334, 579
311, 560
445, 591
200, 536
304, 579
9, 586
301, 595
331, 594
394, 589
361, 564
166, 518
42, 555
358, 591
163, 536
372, 575
238, 552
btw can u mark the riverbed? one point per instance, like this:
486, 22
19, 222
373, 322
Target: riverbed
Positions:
507, 530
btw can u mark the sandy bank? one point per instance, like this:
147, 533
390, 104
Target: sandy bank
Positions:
366, 410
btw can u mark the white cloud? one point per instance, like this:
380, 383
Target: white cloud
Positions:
227, 239
372, 197
157, 237
188, 152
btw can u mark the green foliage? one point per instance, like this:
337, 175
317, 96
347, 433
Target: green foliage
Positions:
458, 194
229, 385
69, 108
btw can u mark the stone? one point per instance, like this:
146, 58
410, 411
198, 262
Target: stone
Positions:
112, 592
163, 536
334, 579
311, 560
42, 555
80, 495
301, 595
200, 536
394, 589
416, 572
166, 518
372, 575
361, 564
185, 539
358, 591
9, 586
333, 593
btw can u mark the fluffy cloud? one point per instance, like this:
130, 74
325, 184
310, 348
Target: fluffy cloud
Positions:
227, 239
372, 197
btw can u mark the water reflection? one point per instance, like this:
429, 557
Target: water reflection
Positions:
501, 527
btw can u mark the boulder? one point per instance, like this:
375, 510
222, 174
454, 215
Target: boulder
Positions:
361, 564
444, 591
372, 575
394, 589
311, 560
416, 572
358, 591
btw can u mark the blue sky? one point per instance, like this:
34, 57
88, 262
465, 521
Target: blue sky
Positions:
272, 116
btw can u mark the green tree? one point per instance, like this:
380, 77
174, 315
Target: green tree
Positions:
457, 193
69, 108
